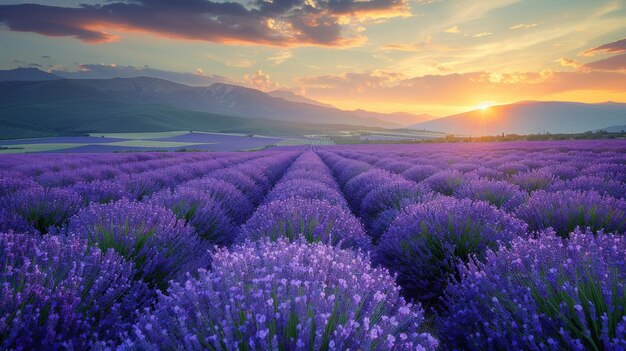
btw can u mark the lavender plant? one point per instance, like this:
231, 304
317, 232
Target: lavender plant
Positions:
541, 294
499, 193
311, 220
284, 296
59, 294
199, 210
45, 208
566, 210
160, 246
423, 245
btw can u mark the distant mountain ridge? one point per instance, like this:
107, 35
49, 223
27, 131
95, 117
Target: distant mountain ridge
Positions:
229, 99
26, 74
531, 117
33, 95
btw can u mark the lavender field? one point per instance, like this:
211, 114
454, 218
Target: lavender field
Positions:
475, 246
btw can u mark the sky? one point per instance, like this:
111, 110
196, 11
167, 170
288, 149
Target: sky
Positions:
422, 56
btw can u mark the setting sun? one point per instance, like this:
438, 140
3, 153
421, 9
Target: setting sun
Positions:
484, 106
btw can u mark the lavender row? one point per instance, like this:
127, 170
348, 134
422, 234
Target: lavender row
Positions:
306, 204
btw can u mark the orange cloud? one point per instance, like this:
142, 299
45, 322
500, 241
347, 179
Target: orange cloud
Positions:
260, 80
567, 62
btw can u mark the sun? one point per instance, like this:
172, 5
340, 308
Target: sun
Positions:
484, 106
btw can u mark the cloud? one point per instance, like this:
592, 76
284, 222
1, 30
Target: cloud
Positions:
567, 62
616, 47
613, 63
524, 26
457, 89
276, 23
260, 80
453, 29
483, 34
426, 45
280, 57
102, 71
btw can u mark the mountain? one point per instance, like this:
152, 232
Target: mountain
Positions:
72, 107
401, 118
226, 99
530, 117
289, 96
615, 129
26, 74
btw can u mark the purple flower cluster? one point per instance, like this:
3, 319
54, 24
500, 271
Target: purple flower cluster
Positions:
45, 208
541, 294
305, 208
425, 243
200, 211
160, 246
502, 194
59, 294
284, 296
312, 220
566, 210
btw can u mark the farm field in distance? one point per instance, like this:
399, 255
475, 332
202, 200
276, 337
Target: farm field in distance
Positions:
377, 247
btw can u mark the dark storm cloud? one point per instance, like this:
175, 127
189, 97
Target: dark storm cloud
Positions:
277, 22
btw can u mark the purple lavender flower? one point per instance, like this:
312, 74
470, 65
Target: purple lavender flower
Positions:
232, 200
100, 191
530, 181
281, 295
604, 186
358, 187
201, 211
306, 189
392, 194
244, 183
424, 244
566, 210
12, 222
45, 208
419, 173
160, 246
446, 182
313, 220
499, 193
58, 294
541, 294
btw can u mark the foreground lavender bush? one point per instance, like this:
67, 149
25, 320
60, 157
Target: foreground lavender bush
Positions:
284, 296
160, 246
312, 220
199, 210
424, 244
566, 210
544, 294
45, 208
59, 294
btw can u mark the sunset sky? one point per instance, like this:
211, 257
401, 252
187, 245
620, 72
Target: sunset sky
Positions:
434, 56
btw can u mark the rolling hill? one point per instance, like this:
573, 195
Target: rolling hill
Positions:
218, 98
530, 117
68, 107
